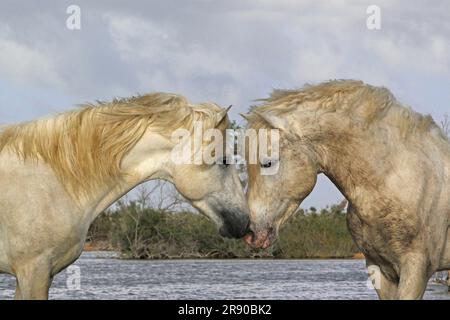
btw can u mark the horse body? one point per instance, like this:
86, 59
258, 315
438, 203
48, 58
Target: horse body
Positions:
403, 227
39, 235
391, 164
45, 211
404, 217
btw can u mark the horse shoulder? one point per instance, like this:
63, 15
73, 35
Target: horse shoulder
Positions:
36, 214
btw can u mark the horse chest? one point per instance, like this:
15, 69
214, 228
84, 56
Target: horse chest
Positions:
371, 240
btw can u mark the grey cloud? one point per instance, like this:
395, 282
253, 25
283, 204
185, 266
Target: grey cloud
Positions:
230, 52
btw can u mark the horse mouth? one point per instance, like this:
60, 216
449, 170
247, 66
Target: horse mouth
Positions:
262, 239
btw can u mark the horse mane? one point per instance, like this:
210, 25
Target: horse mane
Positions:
363, 103
85, 147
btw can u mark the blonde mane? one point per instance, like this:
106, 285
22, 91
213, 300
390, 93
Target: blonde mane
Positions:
362, 103
85, 147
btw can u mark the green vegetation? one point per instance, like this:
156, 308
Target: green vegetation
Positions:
313, 234
139, 232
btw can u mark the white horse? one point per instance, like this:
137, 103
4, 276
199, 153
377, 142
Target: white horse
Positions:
392, 165
57, 174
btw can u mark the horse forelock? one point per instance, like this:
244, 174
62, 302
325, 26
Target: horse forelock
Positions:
85, 147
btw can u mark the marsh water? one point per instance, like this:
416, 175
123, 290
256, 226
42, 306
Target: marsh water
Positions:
100, 275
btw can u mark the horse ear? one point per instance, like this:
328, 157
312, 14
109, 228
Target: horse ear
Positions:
221, 115
246, 116
274, 121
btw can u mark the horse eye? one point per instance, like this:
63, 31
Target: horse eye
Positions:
267, 164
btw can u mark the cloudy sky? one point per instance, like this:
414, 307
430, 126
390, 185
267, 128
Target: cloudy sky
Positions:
231, 52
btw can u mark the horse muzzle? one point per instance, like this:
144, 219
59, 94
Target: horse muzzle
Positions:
260, 238
234, 225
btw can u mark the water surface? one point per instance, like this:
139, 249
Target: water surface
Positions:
104, 277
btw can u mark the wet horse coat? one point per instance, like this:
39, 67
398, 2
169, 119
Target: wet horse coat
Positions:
391, 163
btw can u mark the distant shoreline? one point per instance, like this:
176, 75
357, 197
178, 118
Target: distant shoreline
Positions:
105, 246
138, 232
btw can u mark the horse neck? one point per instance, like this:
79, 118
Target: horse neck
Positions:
146, 161
349, 156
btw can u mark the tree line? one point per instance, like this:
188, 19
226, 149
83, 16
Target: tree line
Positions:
138, 230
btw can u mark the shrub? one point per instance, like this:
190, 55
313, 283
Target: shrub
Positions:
144, 233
